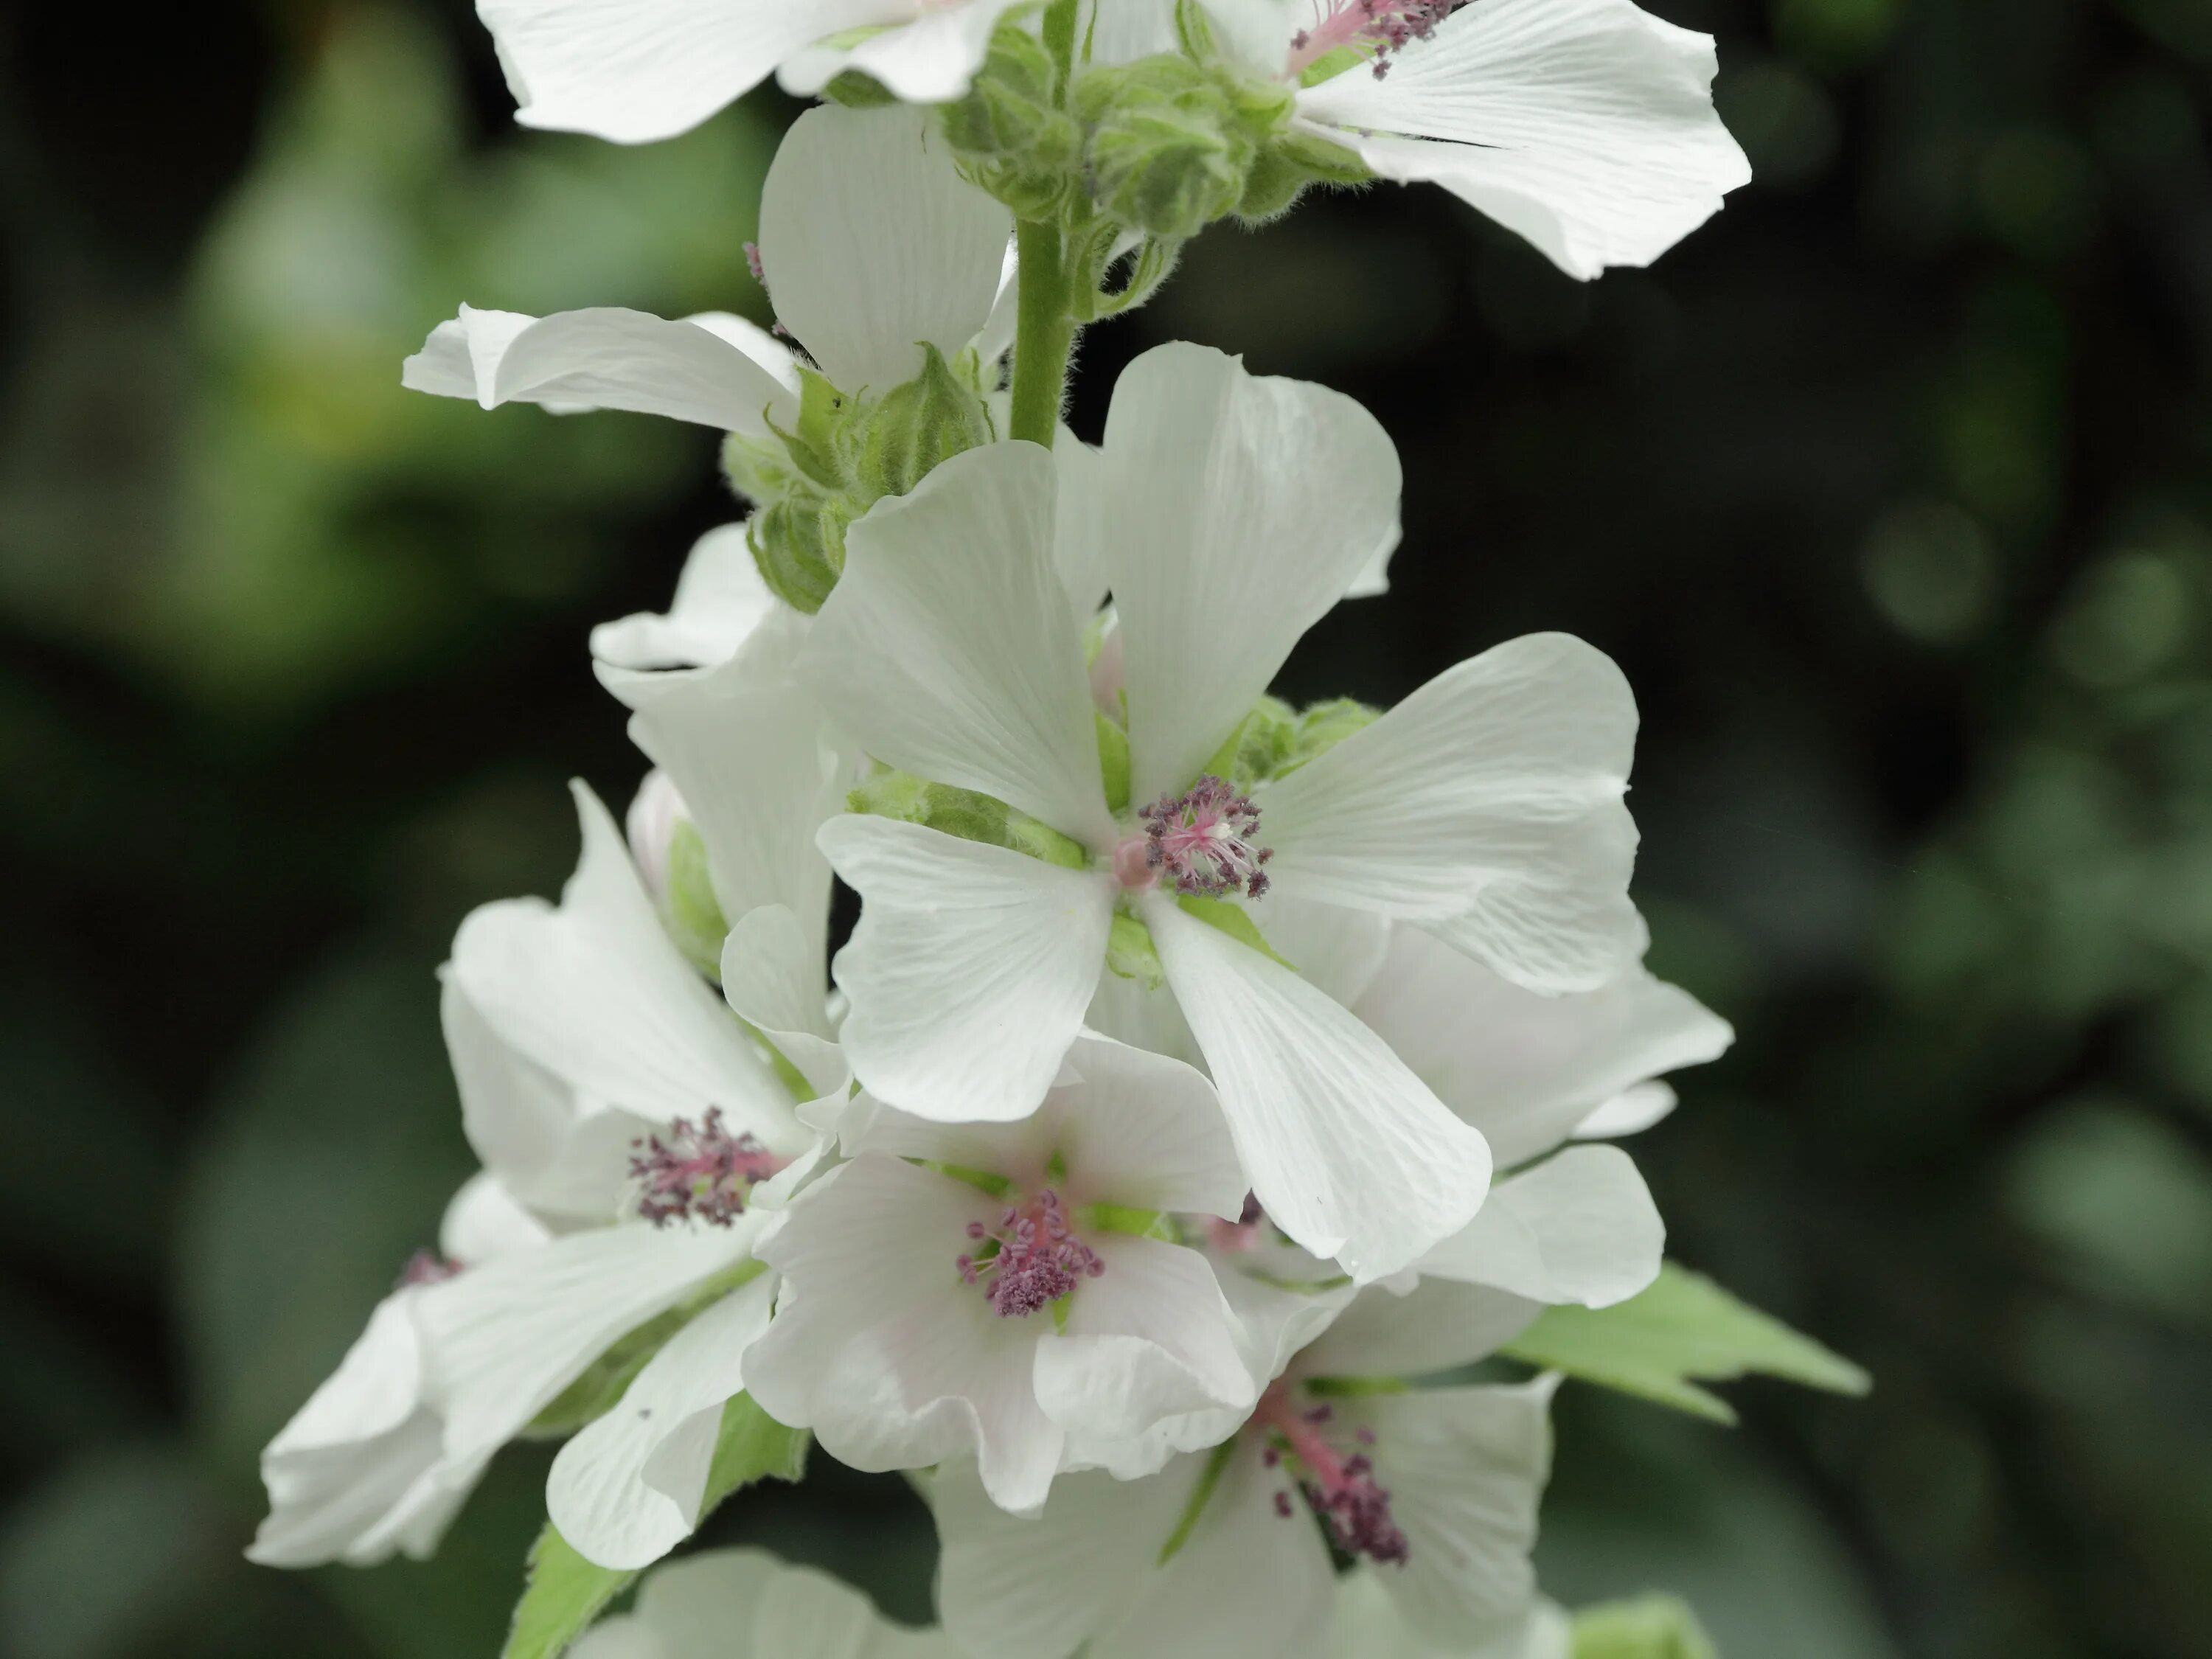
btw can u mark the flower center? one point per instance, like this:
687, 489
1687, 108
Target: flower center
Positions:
701, 1173
1379, 27
1201, 842
1031, 1259
1340, 1489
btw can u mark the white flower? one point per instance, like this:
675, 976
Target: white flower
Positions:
1531, 1072
745, 1604
992, 1290
1220, 1553
719, 601
641, 69
1585, 125
870, 243
1370, 1624
1230, 513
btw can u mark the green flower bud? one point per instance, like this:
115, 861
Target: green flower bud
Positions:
1286, 166
856, 90
1009, 129
914, 426
1650, 1627
798, 543
1168, 152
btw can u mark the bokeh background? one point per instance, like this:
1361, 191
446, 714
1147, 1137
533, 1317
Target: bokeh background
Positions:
1892, 489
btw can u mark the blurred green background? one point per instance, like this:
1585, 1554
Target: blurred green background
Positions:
1892, 489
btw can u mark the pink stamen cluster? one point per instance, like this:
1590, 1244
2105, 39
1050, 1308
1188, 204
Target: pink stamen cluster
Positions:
701, 1173
1340, 1489
1203, 840
427, 1268
1381, 27
1037, 1261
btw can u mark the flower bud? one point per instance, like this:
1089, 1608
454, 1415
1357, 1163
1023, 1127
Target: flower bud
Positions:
1168, 152
798, 543
1009, 129
914, 426
1286, 165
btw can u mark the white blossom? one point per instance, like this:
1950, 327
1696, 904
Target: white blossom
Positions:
745, 1604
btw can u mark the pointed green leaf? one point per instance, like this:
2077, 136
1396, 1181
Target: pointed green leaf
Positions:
1684, 1330
565, 1592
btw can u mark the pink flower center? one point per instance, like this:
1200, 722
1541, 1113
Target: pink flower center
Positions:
703, 1173
1379, 27
1031, 1259
1342, 1489
1202, 842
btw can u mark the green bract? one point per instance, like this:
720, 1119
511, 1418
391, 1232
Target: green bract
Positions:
965, 813
1013, 130
688, 906
1167, 148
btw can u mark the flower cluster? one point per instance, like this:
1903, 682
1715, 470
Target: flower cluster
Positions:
1149, 1164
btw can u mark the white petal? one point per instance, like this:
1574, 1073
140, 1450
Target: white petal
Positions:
931, 60
759, 343
1486, 806
1124, 1010
1340, 951
1586, 125
356, 1456
1011, 1587
872, 243
773, 978
948, 646
600, 359
641, 69
719, 601
1146, 1131
1150, 1338
596, 994
749, 749
1080, 524
970, 970
1349, 1153
1580, 1227
598, 1494
484, 1221
620, 1636
880, 1348
1370, 1624
502, 1339
1526, 1069
1465, 1469
746, 1604
1437, 1326
1243, 507
1630, 1112
1004, 321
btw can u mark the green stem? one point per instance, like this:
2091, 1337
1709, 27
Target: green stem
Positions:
1044, 336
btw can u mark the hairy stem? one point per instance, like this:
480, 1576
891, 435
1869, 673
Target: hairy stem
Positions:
1044, 333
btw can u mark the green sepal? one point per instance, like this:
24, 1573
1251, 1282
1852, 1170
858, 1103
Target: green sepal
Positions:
1329, 163
1355, 1387
857, 89
1209, 1478
966, 813
1041, 840
983, 1181
565, 1592
1131, 954
1113, 763
1232, 920
816, 444
914, 426
799, 547
1649, 1627
1262, 741
1321, 729
689, 908
1684, 1330
1010, 132
1332, 64
1126, 1219
600, 1386
1166, 149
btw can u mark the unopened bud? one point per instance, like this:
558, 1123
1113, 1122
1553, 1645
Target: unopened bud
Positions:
1168, 152
913, 426
1286, 165
1017, 141
798, 543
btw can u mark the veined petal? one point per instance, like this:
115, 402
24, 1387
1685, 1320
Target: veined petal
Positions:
1630, 1112
1585, 125
719, 601
501, 1341
1348, 1150
1370, 1625
635, 71
1338, 950
880, 1348
748, 748
1241, 508
627, 1489
1438, 1326
773, 978
1486, 806
1580, 1227
970, 970
605, 358
1466, 1469
1529, 1070
872, 242
484, 1221
931, 60
746, 1604
948, 646
597, 994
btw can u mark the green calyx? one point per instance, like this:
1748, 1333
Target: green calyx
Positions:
966, 813
1274, 740
689, 910
846, 453
1012, 131
1131, 954
1167, 151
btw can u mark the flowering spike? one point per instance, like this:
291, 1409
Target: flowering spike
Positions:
1030, 1260
1378, 27
701, 1174
1201, 842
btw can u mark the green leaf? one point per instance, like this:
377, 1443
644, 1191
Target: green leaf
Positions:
566, 1592
1131, 953
1232, 920
1684, 1330
1649, 1627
